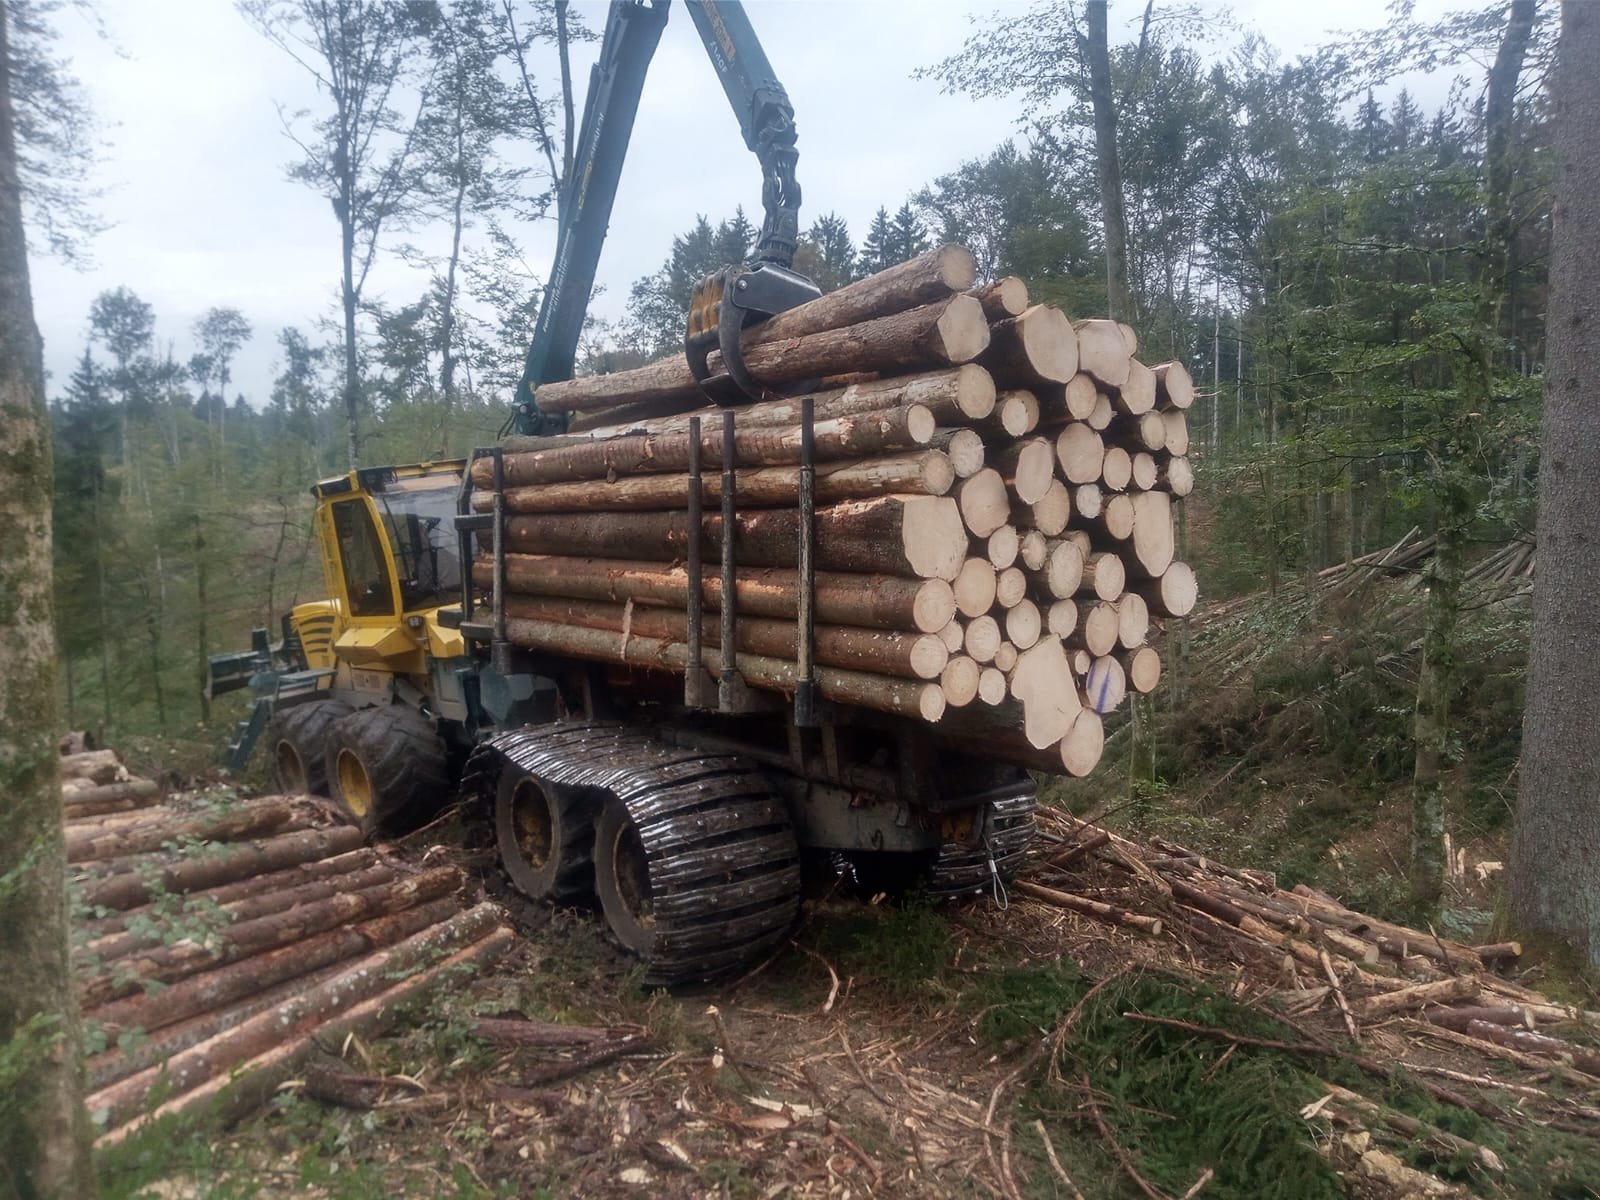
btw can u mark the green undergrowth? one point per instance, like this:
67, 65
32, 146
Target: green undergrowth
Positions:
1283, 741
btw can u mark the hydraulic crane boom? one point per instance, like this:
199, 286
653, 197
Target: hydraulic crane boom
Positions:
633, 29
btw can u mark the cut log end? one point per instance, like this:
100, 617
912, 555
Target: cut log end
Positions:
1083, 744
974, 587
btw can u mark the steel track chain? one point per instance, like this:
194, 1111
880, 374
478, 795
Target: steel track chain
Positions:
723, 862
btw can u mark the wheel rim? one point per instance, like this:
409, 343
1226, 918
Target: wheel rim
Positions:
291, 768
354, 785
533, 823
631, 869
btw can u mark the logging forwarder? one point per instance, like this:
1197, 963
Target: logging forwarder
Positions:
685, 803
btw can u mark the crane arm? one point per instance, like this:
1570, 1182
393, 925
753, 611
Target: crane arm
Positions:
766, 119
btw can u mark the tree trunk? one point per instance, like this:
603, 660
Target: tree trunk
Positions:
201, 615
349, 299
1119, 302
1553, 877
44, 1128
1455, 488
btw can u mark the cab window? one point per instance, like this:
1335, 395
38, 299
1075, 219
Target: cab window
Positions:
366, 574
426, 552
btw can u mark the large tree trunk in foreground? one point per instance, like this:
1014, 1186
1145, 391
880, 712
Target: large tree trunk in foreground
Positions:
1456, 489
1554, 872
44, 1130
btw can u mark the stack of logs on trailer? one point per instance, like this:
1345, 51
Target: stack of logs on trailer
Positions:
218, 944
993, 535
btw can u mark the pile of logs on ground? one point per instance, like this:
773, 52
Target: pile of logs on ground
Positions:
1406, 998
994, 488
215, 939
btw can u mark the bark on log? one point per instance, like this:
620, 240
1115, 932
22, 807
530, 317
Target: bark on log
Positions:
840, 439
93, 766
116, 945
249, 820
1454, 990
239, 941
918, 281
250, 1084
227, 893
946, 333
872, 601
878, 692
877, 651
1033, 349
126, 796
917, 473
213, 990
1092, 908
910, 536
953, 395
130, 888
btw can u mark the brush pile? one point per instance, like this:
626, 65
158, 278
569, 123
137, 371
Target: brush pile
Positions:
215, 941
993, 523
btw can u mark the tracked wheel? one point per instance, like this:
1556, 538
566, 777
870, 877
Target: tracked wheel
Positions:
296, 739
545, 834
387, 768
960, 868
696, 865
699, 878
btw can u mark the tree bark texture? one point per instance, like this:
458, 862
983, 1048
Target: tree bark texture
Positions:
1114, 219
44, 1128
1553, 876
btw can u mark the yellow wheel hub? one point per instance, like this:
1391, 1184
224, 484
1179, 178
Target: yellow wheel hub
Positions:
291, 771
354, 785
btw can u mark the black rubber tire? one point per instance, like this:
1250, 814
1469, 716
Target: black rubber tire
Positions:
296, 742
402, 759
545, 834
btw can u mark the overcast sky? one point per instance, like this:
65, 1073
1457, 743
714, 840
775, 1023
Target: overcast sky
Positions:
203, 215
